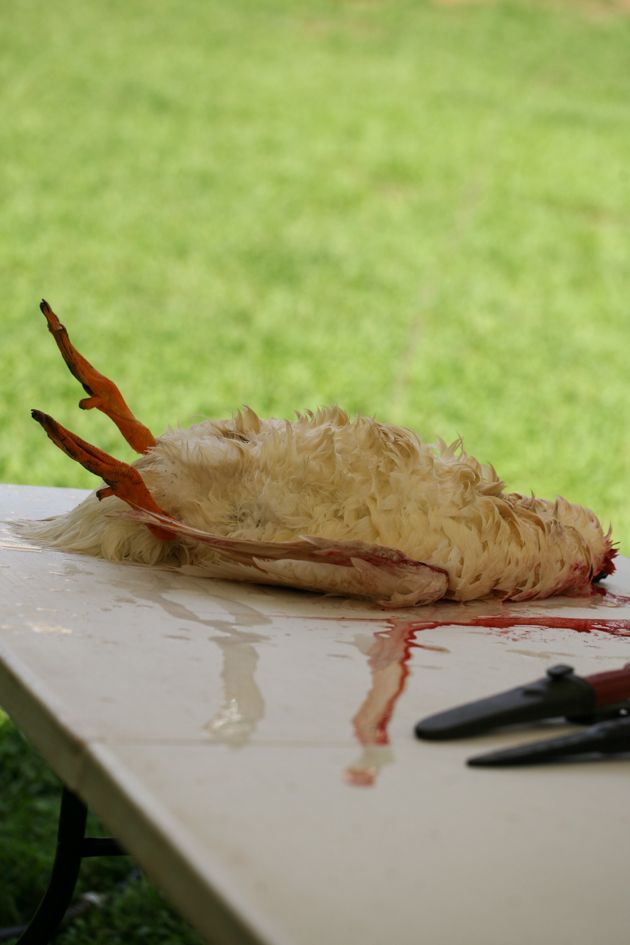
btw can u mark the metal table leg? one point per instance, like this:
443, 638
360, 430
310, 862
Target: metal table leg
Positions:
72, 847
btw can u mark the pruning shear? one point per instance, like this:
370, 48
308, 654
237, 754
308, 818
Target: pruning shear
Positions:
602, 701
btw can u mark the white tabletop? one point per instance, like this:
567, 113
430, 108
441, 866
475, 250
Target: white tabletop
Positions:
253, 748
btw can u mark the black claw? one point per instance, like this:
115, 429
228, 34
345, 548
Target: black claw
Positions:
44, 420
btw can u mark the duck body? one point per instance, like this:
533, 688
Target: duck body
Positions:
343, 482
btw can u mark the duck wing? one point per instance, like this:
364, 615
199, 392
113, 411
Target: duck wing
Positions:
349, 568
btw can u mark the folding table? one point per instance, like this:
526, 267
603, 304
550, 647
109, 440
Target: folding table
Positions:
253, 749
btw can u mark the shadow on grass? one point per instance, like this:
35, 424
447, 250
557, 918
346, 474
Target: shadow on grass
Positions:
131, 909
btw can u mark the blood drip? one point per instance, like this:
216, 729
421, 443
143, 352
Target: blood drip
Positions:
614, 627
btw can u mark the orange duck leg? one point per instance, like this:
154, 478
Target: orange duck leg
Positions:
123, 480
103, 393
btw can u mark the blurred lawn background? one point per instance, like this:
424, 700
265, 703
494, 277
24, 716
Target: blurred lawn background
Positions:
418, 210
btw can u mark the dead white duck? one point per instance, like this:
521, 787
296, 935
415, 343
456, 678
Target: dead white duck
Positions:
323, 502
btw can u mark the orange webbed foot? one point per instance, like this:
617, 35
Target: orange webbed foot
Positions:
123, 480
103, 393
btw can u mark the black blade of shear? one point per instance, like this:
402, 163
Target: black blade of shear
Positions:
605, 738
559, 693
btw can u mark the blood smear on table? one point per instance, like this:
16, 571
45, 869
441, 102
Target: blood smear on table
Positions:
389, 656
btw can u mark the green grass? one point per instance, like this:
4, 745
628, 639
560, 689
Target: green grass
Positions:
418, 211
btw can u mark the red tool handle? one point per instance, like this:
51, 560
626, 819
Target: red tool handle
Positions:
611, 687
